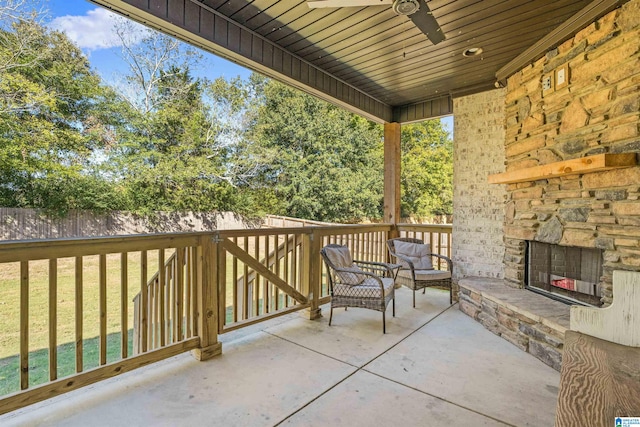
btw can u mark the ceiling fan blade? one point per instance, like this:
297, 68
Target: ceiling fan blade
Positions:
424, 20
347, 3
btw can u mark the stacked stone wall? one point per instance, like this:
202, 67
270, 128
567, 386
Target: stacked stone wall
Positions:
477, 248
598, 111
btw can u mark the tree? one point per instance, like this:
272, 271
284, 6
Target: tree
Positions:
152, 57
427, 170
50, 124
174, 150
319, 161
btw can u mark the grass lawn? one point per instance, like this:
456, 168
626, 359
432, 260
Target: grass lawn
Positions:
39, 362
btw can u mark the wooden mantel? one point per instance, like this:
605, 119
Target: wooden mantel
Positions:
596, 163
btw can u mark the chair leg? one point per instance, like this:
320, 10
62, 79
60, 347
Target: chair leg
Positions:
450, 294
394, 306
384, 325
414, 298
330, 316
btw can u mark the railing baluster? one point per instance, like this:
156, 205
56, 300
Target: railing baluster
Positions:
103, 309
376, 238
187, 292
144, 309
194, 291
180, 268
24, 325
256, 280
266, 300
367, 245
246, 303
53, 319
234, 282
222, 280
124, 307
276, 292
295, 278
162, 281
173, 272
78, 313
285, 266
356, 246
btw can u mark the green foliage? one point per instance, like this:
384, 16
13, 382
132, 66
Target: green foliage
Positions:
169, 158
427, 170
48, 132
320, 161
165, 140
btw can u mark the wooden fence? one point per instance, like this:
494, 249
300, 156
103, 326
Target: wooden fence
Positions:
186, 289
22, 224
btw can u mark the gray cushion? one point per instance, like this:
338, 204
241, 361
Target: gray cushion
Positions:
340, 257
369, 288
418, 254
426, 275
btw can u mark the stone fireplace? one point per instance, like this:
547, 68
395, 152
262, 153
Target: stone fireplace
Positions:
593, 111
597, 111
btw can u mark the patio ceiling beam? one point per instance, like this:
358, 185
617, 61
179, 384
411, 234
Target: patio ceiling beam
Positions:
430, 109
204, 27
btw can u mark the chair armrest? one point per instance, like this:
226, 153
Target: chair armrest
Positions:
447, 259
382, 267
354, 271
405, 259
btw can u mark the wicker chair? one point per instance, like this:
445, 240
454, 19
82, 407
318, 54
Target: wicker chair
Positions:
419, 276
358, 283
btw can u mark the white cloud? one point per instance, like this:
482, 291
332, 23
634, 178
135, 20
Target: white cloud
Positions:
94, 30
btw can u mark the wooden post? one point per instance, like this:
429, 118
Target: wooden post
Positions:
311, 273
392, 158
207, 285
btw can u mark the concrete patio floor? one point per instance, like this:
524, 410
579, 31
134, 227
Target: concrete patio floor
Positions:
434, 367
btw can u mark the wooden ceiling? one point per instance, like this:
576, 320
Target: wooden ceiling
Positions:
364, 58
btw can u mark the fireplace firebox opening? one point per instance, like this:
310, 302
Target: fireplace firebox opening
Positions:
569, 274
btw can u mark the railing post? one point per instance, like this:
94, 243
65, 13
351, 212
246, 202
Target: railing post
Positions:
311, 273
392, 161
394, 232
207, 285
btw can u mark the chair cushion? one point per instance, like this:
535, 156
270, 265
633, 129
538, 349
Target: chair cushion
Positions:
341, 258
419, 254
426, 275
351, 277
369, 288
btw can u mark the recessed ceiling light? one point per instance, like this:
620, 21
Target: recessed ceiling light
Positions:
472, 51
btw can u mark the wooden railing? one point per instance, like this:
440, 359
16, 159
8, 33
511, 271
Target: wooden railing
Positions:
271, 272
73, 298
71, 307
167, 310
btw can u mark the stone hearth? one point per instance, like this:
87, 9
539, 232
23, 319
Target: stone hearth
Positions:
529, 321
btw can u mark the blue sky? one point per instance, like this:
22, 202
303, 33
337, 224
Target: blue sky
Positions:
90, 26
